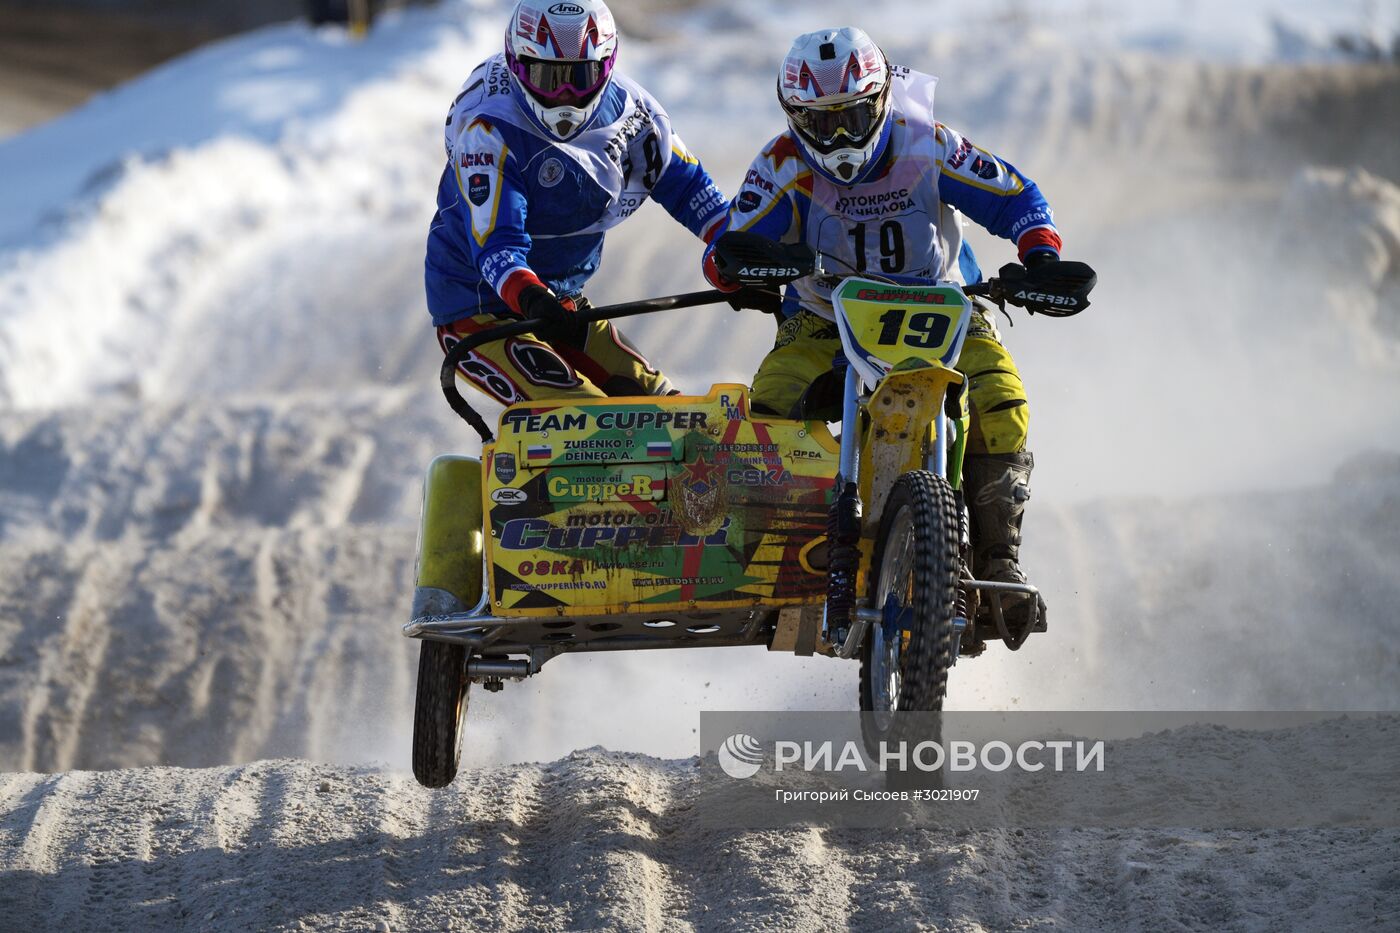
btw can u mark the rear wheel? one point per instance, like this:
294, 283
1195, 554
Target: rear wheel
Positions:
914, 584
438, 712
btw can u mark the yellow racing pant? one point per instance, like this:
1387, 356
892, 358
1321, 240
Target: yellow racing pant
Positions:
526, 367
807, 343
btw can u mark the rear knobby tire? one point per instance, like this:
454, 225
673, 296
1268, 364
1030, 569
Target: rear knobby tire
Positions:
438, 712
916, 561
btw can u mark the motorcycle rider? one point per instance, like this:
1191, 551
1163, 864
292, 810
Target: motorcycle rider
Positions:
867, 177
549, 146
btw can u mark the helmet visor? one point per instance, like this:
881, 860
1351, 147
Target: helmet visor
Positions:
562, 83
846, 124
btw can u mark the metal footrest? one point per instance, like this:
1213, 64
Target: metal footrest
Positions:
997, 591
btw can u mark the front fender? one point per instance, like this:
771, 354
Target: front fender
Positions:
901, 414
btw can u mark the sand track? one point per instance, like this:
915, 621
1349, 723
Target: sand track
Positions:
603, 840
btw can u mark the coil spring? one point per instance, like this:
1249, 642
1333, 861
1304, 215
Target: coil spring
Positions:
843, 559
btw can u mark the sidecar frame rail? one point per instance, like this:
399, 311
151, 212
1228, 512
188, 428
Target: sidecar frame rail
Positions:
497, 635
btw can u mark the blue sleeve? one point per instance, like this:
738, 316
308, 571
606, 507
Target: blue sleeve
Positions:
687, 191
493, 192
992, 192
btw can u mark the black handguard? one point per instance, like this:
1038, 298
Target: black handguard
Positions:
751, 259
1053, 287
560, 324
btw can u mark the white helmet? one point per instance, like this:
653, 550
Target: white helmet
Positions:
835, 89
561, 56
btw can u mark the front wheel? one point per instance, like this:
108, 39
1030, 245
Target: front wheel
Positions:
438, 713
914, 584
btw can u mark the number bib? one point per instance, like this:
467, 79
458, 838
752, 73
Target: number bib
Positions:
895, 225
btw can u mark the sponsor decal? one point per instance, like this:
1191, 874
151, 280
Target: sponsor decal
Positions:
800, 454
548, 568
746, 448
986, 168
533, 424
701, 506
677, 581
629, 419
758, 181
566, 9
899, 295
508, 496
680, 420
748, 201
478, 188
637, 122
505, 467
619, 519
533, 534
484, 373
541, 365
592, 488
1044, 298
770, 272
551, 172
478, 160
540, 452
756, 477
957, 159
894, 200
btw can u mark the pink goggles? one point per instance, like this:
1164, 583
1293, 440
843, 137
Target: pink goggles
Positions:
562, 83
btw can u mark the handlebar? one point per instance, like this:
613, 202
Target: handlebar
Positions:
447, 375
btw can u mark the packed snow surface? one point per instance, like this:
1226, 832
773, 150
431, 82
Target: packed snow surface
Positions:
218, 393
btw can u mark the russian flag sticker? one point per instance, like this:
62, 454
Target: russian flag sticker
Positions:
659, 449
543, 452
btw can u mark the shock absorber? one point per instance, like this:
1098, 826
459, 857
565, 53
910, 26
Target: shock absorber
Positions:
843, 560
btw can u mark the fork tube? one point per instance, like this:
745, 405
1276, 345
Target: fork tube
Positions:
850, 419
938, 456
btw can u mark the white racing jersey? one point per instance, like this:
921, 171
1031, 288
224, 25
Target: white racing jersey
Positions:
903, 221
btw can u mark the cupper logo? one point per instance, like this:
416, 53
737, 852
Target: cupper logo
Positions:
741, 756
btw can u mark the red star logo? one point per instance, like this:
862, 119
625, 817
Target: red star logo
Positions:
783, 148
700, 474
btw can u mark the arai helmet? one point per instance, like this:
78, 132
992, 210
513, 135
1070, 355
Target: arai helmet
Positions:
561, 57
835, 89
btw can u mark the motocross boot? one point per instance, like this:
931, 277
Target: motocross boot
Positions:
997, 488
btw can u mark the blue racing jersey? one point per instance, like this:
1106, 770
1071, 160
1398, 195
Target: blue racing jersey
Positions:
515, 203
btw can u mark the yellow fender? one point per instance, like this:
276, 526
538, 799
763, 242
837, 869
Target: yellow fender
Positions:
450, 535
901, 411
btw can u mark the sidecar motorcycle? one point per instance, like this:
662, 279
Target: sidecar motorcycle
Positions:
621, 524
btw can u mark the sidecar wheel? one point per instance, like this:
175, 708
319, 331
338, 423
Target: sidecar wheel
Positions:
438, 713
914, 582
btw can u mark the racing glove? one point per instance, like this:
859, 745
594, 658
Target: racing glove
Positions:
758, 297
561, 324
1047, 285
747, 258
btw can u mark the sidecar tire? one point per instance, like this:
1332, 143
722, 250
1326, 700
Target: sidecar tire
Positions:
438, 713
448, 580
918, 541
